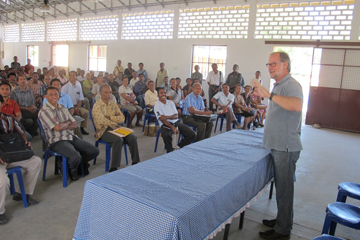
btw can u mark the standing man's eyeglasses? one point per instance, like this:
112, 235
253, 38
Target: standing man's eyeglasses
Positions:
273, 64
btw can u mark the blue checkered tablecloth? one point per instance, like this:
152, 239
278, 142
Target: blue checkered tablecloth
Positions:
185, 194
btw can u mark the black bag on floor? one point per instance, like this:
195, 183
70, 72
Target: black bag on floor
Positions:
13, 148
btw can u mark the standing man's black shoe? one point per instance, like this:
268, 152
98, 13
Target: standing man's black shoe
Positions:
83, 131
269, 222
3, 219
273, 235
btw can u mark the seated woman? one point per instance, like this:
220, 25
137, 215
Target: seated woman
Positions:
188, 88
259, 106
174, 94
240, 107
128, 102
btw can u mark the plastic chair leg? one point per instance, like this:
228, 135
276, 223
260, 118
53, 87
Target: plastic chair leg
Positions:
126, 157
64, 171
157, 140
45, 165
97, 146
341, 197
21, 186
216, 124
221, 124
332, 228
143, 124
326, 226
12, 185
107, 157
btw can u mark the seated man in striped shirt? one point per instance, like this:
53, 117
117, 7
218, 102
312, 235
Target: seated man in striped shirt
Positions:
58, 125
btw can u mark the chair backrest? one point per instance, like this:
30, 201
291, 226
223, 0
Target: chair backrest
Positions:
42, 131
92, 120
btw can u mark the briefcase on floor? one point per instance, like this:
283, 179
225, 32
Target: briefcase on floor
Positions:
205, 118
13, 148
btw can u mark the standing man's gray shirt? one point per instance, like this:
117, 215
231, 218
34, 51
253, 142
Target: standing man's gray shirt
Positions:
288, 139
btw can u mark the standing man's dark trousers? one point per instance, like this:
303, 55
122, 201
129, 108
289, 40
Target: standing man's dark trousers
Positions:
117, 145
76, 151
284, 171
211, 95
188, 134
29, 120
203, 129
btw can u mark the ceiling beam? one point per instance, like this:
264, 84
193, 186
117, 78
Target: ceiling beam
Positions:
65, 14
105, 6
142, 4
87, 6
27, 8
17, 10
67, 5
127, 6
162, 4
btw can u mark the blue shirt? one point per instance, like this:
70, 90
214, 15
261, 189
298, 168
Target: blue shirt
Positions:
64, 100
138, 87
192, 101
283, 128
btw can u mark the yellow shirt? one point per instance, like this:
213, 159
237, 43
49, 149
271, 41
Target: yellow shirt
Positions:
151, 97
101, 111
116, 70
160, 77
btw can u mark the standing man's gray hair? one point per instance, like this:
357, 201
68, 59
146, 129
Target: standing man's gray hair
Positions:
284, 57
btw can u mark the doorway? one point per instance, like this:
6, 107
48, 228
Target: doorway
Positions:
301, 63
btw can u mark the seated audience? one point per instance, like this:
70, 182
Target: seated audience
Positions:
134, 79
188, 88
151, 97
129, 103
178, 83
194, 104
30, 168
58, 125
28, 66
12, 81
74, 90
24, 97
142, 71
138, 90
81, 78
86, 86
78, 72
174, 94
224, 100
34, 85
41, 77
3, 76
9, 106
29, 74
259, 106
106, 77
168, 119
96, 87
66, 101
166, 84
146, 86
240, 107
246, 95
43, 87
114, 85
107, 117
119, 78
93, 78
62, 77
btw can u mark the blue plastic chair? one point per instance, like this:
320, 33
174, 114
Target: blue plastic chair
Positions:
18, 172
327, 237
108, 147
127, 116
222, 117
48, 153
147, 117
348, 189
342, 213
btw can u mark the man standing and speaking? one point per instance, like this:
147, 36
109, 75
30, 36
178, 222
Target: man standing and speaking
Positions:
282, 135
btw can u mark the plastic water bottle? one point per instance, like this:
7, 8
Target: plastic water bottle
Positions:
251, 126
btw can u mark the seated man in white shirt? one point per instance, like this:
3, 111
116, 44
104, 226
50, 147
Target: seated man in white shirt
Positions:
167, 115
224, 100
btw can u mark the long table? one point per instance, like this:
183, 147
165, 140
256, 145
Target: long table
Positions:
186, 194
